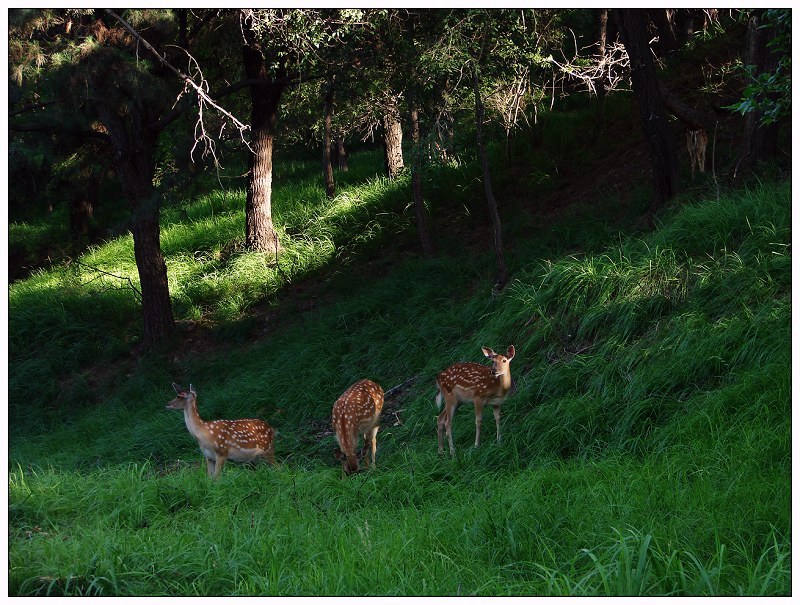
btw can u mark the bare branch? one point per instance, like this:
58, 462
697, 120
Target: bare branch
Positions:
27, 108
204, 99
128, 279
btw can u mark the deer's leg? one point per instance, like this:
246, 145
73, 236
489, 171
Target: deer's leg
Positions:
441, 422
374, 441
496, 410
219, 464
452, 404
210, 467
479, 403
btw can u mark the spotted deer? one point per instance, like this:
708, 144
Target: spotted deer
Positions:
357, 412
696, 141
464, 382
240, 440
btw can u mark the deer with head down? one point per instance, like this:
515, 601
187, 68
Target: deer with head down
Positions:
357, 412
482, 385
220, 440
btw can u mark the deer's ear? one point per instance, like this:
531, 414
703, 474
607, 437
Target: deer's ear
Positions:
511, 352
488, 352
177, 388
338, 454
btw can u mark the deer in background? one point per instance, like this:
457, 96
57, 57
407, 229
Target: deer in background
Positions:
696, 141
357, 412
241, 440
464, 382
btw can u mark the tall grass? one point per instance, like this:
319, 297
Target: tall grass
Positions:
646, 447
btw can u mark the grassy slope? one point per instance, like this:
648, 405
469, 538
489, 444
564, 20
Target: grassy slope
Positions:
646, 449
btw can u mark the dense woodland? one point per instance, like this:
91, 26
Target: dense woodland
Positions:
271, 204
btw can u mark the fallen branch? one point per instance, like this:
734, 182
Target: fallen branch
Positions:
98, 270
399, 387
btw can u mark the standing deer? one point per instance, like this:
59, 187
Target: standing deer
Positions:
357, 412
696, 141
241, 440
464, 382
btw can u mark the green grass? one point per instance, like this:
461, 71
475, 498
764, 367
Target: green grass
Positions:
646, 449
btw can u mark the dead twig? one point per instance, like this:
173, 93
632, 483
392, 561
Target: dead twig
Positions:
120, 277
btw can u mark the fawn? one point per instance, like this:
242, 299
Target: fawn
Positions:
464, 382
240, 440
357, 412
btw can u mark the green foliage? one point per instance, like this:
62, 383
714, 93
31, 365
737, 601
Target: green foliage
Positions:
770, 92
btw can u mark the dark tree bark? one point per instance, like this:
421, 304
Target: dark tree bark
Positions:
664, 159
341, 154
327, 163
502, 272
759, 142
416, 183
600, 34
662, 19
691, 116
393, 141
260, 234
135, 148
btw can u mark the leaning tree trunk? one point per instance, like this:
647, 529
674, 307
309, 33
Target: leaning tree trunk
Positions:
502, 272
416, 184
260, 233
327, 163
663, 156
393, 141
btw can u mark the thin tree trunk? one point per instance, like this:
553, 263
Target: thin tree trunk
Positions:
663, 155
260, 234
502, 272
393, 141
759, 142
416, 183
341, 154
600, 34
327, 164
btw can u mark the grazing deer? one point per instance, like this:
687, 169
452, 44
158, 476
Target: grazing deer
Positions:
463, 382
696, 141
241, 440
357, 412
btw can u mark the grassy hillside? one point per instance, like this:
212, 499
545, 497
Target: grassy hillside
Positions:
646, 449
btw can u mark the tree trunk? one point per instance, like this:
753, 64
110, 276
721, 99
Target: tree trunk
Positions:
134, 146
80, 211
341, 154
156, 307
600, 34
327, 164
135, 168
416, 183
662, 19
393, 141
260, 234
502, 272
663, 156
691, 116
760, 142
